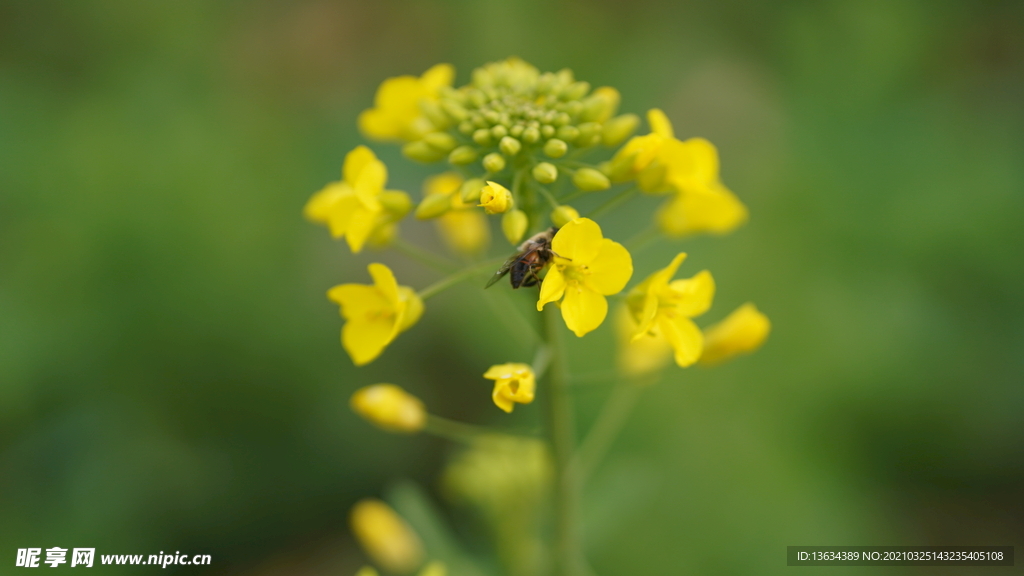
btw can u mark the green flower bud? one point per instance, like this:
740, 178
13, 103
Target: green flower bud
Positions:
492, 116
494, 162
561, 119
563, 215
433, 205
531, 135
396, 203
617, 129
575, 91
568, 133
482, 136
590, 180
499, 132
600, 105
509, 146
516, 131
476, 98
555, 148
574, 108
463, 155
588, 132
443, 141
433, 112
454, 110
422, 152
545, 173
514, 224
466, 127
547, 131
470, 190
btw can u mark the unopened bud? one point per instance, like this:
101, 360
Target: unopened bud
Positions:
433, 205
547, 130
563, 215
470, 190
516, 131
590, 180
499, 132
589, 134
575, 91
454, 110
568, 133
396, 203
386, 537
514, 224
555, 148
443, 141
389, 407
509, 146
617, 129
435, 114
422, 152
601, 105
531, 135
463, 155
494, 162
482, 136
545, 173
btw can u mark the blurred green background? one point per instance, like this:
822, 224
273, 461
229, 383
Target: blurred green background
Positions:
170, 372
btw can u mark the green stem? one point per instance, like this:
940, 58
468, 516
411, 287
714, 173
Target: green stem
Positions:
642, 239
457, 431
449, 281
422, 256
548, 196
606, 428
613, 202
561, 429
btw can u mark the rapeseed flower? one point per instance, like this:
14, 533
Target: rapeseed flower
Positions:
375, 314
742, 332
358, 207
495, 198
389, 407
663, 307
397, 113
586, 267
641, 356
514, 383
463, 229
700, 203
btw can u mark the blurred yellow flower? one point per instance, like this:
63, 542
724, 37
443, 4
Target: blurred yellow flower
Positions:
636, 158
397, 113
463, 229
375, 314
357, 207
586, 268
638, 356
385, 536
434, 568
743, 331
663, 307
367, 571
389, 407
495, 198
700, 202
513, 383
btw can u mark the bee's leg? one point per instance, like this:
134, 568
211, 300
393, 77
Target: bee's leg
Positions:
553, 253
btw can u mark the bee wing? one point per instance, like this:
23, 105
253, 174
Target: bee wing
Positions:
503, 270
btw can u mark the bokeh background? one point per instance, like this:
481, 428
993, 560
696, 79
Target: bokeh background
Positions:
170, 373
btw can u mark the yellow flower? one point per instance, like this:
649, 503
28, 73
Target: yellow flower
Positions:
700, 203
641, 356
375, 314
586, 268
513, 383
389, 407
663, 307
385, 536
357, 207
434, 568
636, 159
397, 114
742, 332
495, 198
463, 229
367, 571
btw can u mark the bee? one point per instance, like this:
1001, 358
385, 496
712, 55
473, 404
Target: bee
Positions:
532, 256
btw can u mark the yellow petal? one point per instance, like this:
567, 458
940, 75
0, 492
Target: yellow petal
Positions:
660, 123
706, 209
465, 231
578, 241
639, 356
378, 125
743, 331
410, 308
648, 313
384, 280
444, 183
501, 398
358, 300
693, 297
364, 339
355, 161
686, 339
611, 269
583, 310
370, 183
437, 76
320, 205
361, 225
552, 288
